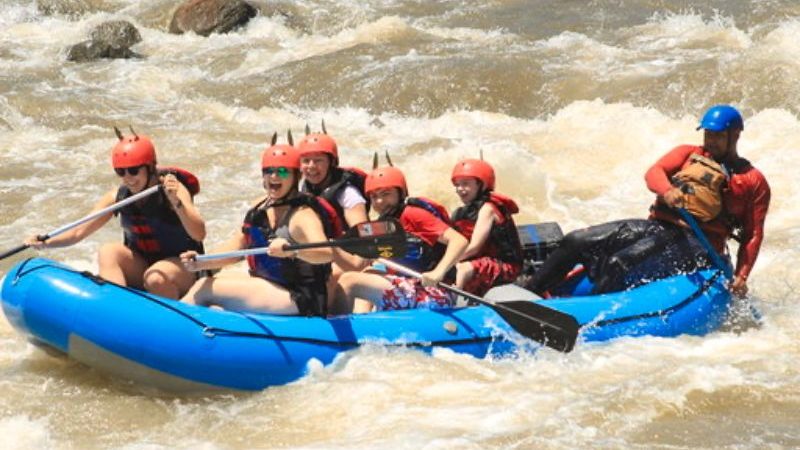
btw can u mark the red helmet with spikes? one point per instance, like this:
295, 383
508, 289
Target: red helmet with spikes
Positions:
319, 143
132, 151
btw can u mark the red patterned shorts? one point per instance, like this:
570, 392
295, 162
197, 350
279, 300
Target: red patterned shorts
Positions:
489, 272
409, 293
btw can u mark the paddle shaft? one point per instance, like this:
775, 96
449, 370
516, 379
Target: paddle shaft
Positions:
698, 232
263, 250
13, 251
715, 258
149, 191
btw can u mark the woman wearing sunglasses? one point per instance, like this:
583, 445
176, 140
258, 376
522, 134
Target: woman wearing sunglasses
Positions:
157, 228
280, 281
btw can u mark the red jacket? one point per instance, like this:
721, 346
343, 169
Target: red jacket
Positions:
745, 200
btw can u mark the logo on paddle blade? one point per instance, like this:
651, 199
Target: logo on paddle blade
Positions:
385, 251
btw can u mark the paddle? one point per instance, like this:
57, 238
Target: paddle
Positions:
149, 191
551, 327
715, 258
384, 238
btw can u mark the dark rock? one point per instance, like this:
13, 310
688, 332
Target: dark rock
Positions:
211, 16
108, 40
119, 33
94, 50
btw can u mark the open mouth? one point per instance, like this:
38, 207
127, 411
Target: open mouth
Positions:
314, 177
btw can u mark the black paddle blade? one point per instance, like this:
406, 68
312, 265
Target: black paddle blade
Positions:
373, 229
377, 239
551, 327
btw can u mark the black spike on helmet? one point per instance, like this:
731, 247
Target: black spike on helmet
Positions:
323, 127
388, 159
136, 136
480, 153
289, 137
308, 130
274, 138
374, 160
118, 133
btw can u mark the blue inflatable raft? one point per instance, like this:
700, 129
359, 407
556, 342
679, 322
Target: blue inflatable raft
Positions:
179, 347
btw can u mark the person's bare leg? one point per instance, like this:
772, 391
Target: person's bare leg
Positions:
242, 294
337, 303
464, 273
168, 278
118, 264
363, 290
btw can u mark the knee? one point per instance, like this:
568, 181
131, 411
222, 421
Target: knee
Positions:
108, 252
572, 241
617, 263
155, 281
347, 280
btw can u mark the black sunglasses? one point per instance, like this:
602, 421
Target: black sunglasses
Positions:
282, 172
132, 171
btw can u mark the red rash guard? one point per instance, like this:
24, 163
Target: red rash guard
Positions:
746, 200
423, 224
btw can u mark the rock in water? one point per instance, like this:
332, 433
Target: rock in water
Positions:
118, 33
210, 16
111, 39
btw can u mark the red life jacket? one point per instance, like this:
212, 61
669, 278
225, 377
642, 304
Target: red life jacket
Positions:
184, 176
151, 227
503, 242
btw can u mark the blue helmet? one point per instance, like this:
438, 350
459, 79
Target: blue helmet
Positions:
721, 118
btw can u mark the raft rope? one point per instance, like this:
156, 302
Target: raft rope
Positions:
664, 312
211, 332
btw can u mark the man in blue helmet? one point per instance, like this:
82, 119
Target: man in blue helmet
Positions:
722, 190
745, 195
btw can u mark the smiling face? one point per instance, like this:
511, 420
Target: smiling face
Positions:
384, 199
315, 167
279, 181
134, 178
467, 188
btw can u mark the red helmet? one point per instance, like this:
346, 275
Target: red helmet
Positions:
385, 177
133, 151
318, 143
474, 168
280, 155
